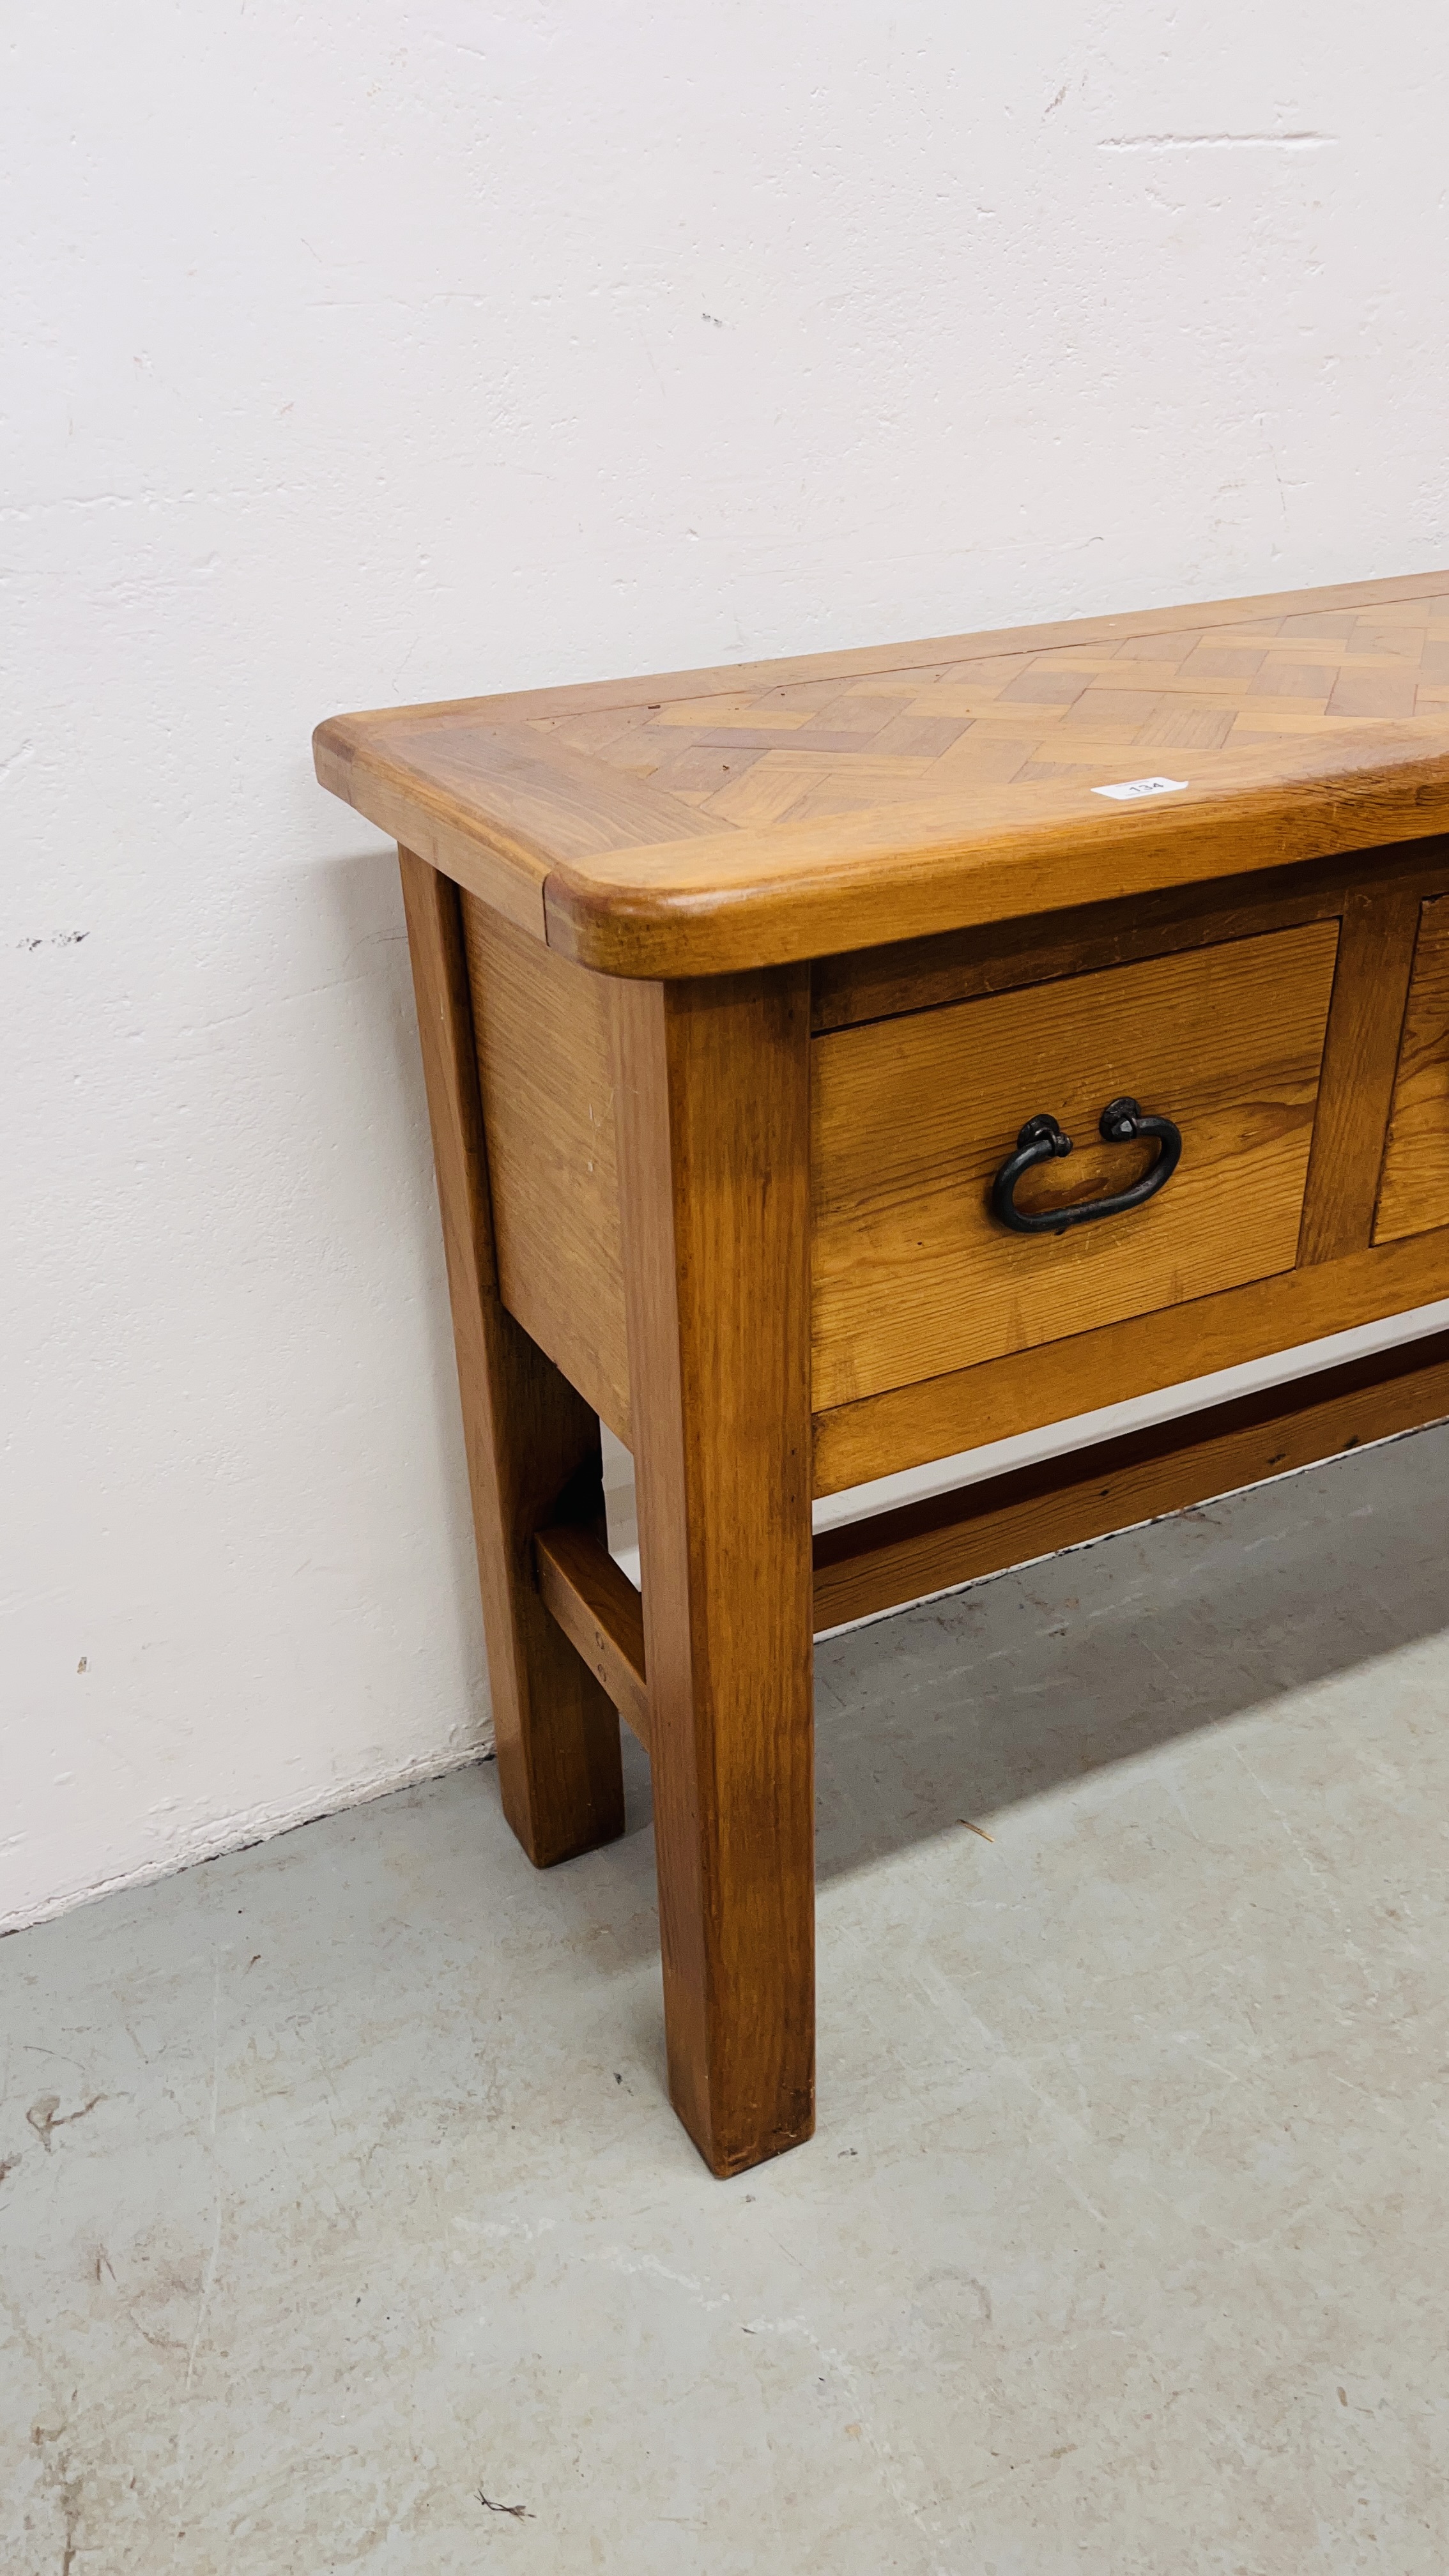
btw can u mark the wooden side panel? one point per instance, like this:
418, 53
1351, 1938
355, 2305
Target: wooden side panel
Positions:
545, 1059
527, 1434
910, 1425
1414, 1193
914, 1277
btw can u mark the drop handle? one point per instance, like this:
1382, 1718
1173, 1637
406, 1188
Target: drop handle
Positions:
1042, 1140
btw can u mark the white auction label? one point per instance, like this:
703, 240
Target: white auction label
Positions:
1142, 787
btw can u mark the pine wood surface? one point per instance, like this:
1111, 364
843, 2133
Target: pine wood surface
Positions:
631, 1209
527, 1434
546, 1059
998, 957
1415, 1187
876, 1562
909, 1426
601, 1614
1059, 1502
722, 819
714, 1155
1370, 987
913, 1276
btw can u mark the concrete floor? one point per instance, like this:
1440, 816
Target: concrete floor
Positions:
338, 2181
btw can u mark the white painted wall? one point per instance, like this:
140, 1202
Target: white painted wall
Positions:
381, 351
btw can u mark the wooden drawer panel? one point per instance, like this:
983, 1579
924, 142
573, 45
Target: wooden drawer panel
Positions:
913, 1116
1414, 1188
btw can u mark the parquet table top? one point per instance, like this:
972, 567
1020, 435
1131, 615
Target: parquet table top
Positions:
736, 817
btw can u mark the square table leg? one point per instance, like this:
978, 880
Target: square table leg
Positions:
529, 1435
713, 1108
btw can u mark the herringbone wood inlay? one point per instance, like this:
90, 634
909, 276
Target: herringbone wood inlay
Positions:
811, 749
713, 820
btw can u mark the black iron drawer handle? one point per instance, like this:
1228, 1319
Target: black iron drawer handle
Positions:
1041, 1141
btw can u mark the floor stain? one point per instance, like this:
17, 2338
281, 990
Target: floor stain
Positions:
45, 2116
519, 2512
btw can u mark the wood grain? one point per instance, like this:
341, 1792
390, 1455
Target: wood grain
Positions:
491, 807
1008, 1520
528, 1435
471, 848
999, 957
1415, 1188
806, 888
1402, 596
600, 1612
729, 819
938, 1417
913, 1276
872, 1564
714, 1152
1370, 985
546, 1061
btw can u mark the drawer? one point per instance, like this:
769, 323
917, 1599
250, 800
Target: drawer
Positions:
1414, 1184
912, 1118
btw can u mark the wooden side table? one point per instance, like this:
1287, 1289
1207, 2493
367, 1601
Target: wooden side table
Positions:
759, 1008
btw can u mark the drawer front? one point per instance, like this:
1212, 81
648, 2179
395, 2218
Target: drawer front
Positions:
1414, 1184
913, 1117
